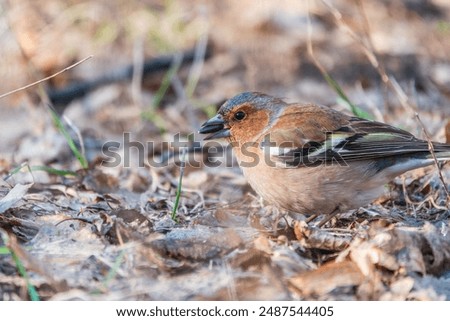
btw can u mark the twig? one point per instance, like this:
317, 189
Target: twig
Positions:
369, 50
431, 149
46, 78
407, 198
310, 47
197, 65
329, 79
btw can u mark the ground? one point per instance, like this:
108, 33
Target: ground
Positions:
114, 231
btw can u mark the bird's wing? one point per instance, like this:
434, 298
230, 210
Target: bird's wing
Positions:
332, 137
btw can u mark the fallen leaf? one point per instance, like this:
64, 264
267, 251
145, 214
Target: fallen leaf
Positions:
13, 196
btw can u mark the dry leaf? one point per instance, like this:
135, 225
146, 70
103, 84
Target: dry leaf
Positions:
327, 278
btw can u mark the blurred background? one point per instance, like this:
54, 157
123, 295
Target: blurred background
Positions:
162, 67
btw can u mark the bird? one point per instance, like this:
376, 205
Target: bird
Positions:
312, 159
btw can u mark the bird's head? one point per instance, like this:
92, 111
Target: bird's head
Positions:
243, 118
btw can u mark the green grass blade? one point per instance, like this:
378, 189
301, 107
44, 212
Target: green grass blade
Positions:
32, 292
180, 184
151, 114
113, 271
52, 170
4, 250
58, 123
353, 108
111, 274
161, 92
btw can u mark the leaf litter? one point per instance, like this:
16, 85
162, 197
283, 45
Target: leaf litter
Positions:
107, 233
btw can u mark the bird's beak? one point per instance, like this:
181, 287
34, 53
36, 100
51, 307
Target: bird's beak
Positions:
216, 127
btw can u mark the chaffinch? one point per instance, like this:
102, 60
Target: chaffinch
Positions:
312, 159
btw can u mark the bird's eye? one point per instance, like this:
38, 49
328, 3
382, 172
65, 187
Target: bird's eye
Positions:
239, 115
